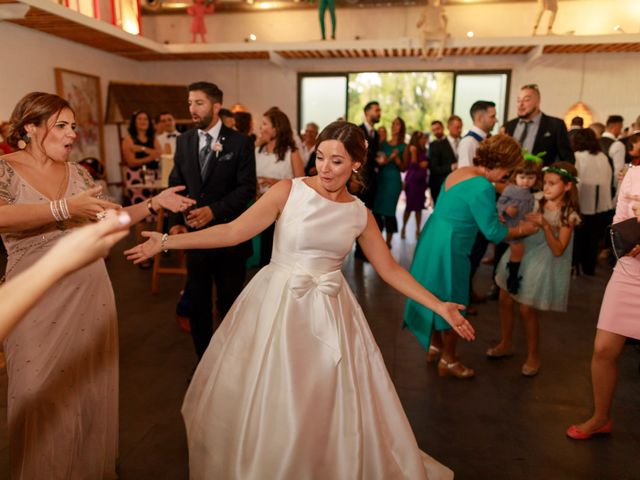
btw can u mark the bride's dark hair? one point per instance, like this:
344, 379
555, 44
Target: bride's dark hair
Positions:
352, 137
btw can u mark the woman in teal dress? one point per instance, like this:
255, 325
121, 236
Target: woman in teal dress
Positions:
441, 263
389, 182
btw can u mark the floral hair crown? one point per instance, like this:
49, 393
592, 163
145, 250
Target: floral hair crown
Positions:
563, 173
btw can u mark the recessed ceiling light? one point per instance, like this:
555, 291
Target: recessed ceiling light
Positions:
470, 34
252, 37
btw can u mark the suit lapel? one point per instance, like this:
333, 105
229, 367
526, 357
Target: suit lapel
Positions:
449, 148
542, 129
192, 160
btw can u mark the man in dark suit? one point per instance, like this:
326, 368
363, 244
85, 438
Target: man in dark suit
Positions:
369, 170
218, 167
372, 113
537, 132
443, 156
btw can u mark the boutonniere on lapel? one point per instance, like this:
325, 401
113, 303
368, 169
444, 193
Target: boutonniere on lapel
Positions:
217, 147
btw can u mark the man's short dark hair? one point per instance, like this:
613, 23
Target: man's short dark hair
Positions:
613, 119
481, 106
211, 90
577, 121
158, 116
368, 106
454, 118
437, 122
225, 113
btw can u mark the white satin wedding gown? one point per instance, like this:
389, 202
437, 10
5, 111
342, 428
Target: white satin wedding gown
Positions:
293, 385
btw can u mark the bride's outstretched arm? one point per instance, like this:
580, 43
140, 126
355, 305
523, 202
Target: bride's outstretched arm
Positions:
378, 254
253, 221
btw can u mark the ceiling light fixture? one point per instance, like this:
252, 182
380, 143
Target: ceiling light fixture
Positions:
470, 34
618, 28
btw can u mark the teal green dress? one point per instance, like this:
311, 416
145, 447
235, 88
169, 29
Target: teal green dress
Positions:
441, 261
389, 183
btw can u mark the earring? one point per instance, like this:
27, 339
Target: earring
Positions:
354, 170
24, 141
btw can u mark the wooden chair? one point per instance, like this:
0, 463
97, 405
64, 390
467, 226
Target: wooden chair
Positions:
158, 270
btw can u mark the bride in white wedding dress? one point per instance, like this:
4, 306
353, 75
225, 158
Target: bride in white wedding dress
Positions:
293, 385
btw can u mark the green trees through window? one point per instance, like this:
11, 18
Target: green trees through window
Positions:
417, 97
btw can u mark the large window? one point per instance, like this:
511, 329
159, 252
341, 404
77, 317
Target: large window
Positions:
417, 97
471, 87
322, 99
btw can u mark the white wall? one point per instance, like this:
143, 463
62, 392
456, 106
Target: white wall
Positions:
30, 57
515, 19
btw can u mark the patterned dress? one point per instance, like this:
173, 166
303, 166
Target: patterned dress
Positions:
62, 358
545, 277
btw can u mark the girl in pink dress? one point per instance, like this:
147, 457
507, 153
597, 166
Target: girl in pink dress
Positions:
198, 10
618, 318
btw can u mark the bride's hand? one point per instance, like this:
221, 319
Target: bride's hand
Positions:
170, 199
451, 313
146, 250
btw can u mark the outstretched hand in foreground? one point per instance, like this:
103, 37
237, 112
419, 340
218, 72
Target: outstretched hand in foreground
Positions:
451, 313
87, 244
81, 247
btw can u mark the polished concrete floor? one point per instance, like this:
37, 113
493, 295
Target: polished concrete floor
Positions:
498, 425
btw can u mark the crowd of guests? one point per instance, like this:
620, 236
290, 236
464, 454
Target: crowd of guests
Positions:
528, 190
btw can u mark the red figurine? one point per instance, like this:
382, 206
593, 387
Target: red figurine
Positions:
198, 10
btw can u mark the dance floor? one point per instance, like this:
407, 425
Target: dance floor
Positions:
499, 425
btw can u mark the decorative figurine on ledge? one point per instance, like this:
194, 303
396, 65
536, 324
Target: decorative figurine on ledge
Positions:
322, 10
433, 27
543, 6
198, 10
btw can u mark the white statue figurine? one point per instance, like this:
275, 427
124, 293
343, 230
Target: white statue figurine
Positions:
433, 27
543, 6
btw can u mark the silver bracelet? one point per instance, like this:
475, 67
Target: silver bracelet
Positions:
64, 209
54, 211
163, 241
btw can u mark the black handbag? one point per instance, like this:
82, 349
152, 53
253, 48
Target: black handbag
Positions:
625, 236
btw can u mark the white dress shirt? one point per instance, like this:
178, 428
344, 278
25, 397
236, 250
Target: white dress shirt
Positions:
468, 146
454, 142
594, 187
370, 129
532, 131
617, 153
166, 138
213, 131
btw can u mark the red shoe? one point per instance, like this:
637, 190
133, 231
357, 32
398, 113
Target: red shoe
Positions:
574, 432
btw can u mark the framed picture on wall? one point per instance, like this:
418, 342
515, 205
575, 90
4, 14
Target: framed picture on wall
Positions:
83, 92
